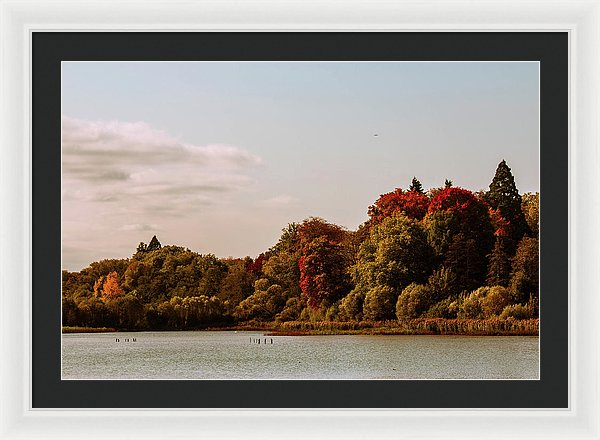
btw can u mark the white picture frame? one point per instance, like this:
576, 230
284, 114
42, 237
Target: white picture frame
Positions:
18, 420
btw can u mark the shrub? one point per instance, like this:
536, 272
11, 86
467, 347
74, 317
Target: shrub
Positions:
351, 306
471, 307
414, 301
516, 311
447, 309
495, 300
379, 303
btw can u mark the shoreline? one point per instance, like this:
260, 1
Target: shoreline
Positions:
423, 326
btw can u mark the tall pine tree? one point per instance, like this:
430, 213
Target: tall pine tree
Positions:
500, 265
154, 244
416, 186
504, 196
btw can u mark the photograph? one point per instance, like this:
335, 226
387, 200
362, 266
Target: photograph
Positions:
300, 220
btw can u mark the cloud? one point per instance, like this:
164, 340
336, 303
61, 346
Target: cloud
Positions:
136, 166
120, 180
140, 227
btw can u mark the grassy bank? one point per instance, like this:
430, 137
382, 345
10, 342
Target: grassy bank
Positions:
421, 326
67, 329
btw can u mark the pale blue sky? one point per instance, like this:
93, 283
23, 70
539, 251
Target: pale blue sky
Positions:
224, 155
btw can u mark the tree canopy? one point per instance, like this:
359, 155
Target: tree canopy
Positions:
446, 253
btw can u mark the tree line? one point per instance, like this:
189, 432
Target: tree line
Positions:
445, 253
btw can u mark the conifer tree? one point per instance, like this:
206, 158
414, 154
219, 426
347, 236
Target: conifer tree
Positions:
416, 186
504, 196
500, 265
448, 183
154, 244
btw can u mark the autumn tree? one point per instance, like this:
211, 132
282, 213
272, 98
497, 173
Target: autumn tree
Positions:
504, 196
111, 288
530, 205
464, 233
524, 282
413, 204
323, 275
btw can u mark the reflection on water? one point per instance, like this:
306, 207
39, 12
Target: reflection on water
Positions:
236, 355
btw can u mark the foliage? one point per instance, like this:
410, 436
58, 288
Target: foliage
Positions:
443, 283
395, 255
415, 185
379, 303
414, 301
413, 204
524, 282
351, 306
111, 288
516, 311
322, 272
417, 256
446, 309
530, 205
499, 265
504, 197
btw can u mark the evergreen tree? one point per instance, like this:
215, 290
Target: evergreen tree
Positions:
500, 265
504, 196
154, 244
448, 183
465, 261
142, 247
416, 186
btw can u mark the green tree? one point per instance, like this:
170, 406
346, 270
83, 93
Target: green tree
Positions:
154, 244
441, 227
379, 303
494, 301
524, 282
504, 196
395, 255
500, 266
351, 306
414, 301
416, 186
464, 259
530, 205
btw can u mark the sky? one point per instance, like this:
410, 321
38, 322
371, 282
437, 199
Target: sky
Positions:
218, 157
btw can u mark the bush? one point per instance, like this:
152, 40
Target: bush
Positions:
379, 303
471, 307
415, 300
291, 311
442, 282
516, 311
494, 302
351, 306
447, 309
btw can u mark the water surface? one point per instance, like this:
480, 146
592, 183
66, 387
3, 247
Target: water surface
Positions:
236, 355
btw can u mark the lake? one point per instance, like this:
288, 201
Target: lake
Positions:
237, 355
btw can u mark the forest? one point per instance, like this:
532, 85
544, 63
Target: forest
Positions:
448, 256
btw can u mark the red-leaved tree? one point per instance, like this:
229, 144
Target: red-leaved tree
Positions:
413, 204
323, 273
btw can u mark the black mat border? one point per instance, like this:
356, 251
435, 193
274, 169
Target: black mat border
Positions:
50, 48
